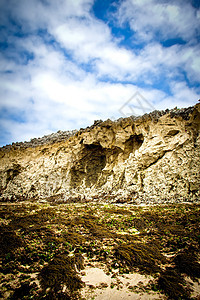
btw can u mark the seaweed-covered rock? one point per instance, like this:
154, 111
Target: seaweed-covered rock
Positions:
60, 275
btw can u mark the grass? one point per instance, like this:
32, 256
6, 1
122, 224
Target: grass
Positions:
45, 245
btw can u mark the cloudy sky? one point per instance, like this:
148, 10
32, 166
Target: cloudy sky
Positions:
66, 63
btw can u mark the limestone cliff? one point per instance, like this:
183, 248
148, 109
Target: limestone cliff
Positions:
153, 158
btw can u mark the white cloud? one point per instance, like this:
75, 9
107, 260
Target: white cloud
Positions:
90, 41
52, 79
84, 37
41, 14
182, 96
155, 18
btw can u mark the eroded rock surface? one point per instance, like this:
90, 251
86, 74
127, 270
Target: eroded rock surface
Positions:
151, 159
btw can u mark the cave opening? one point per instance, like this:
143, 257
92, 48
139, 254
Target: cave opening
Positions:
132, 144
89, 166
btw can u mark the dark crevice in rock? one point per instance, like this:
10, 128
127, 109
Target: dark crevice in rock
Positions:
89, 167
158, 158
172, 132
13, 172
133, 144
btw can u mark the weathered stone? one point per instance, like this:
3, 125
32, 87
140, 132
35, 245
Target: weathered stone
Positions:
148, 159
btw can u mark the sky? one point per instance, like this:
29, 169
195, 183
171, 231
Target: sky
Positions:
66, 63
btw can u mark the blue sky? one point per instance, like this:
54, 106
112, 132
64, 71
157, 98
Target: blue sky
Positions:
66, 63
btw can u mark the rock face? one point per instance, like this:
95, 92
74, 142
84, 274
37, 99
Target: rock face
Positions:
152, 159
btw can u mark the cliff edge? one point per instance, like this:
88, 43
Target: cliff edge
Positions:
154, 158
